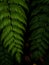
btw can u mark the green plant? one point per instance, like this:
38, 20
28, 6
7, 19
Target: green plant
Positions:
39, 28
17, 21
5, 58
12, 26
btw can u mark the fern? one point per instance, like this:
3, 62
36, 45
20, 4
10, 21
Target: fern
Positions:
4, 57
39, 28
12, 26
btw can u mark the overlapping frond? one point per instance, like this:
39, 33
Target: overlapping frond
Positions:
39, 28
12, 25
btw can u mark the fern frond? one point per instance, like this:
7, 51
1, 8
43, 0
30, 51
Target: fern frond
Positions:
13, 26
5, 57
39, 28
19, 2
39, 2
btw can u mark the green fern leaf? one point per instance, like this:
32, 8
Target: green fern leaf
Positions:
39, 28
19, 2
13, 26
4, 57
